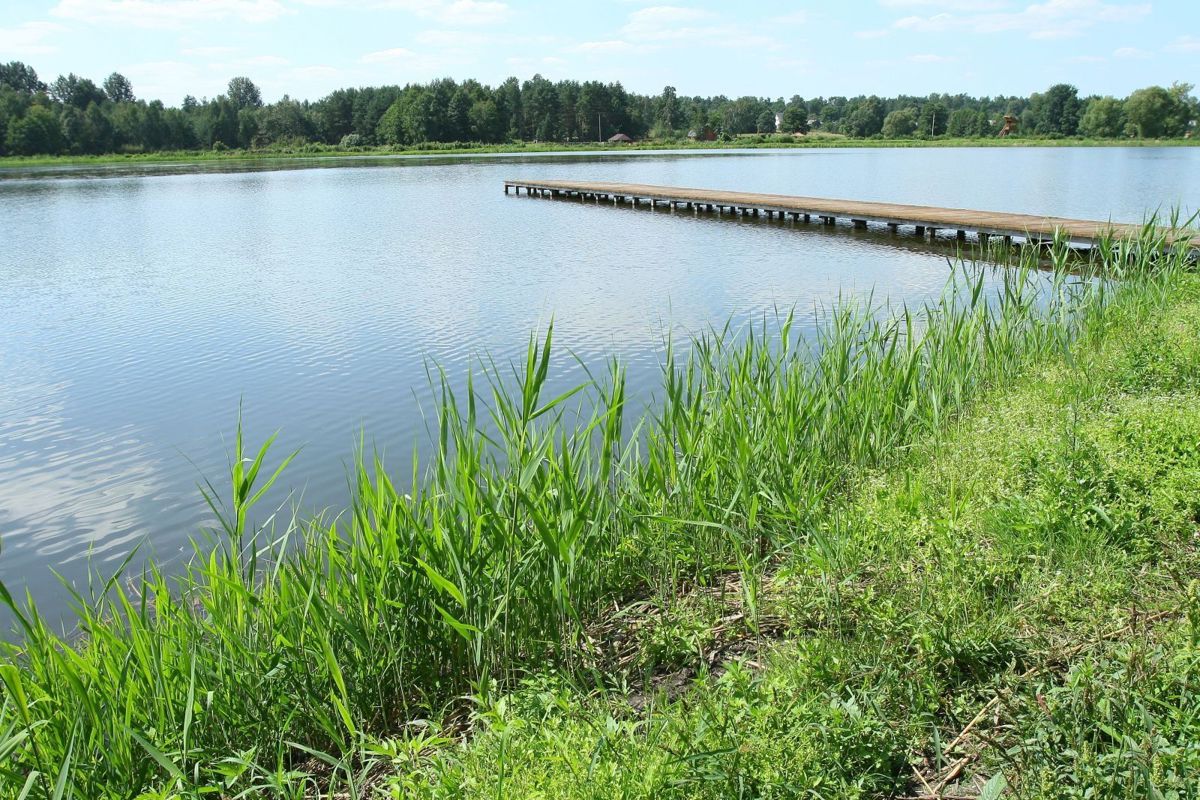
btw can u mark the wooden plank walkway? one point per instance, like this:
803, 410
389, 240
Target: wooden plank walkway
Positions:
926, 220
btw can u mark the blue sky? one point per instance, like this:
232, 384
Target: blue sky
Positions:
305, 48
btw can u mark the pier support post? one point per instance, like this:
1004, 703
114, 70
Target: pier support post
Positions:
961, 235
859, 223
920, 230
807, 218
983, 238
933, 233
893, 227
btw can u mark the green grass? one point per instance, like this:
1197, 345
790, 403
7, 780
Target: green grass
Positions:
1013, 604
839, 508
315, 151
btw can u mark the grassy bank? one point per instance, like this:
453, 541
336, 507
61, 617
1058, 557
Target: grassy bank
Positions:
876, 554
475, 148
1011, 608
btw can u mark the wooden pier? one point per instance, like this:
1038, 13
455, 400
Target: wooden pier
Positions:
924, 220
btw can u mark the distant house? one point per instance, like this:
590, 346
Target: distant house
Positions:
706, 135
619, 138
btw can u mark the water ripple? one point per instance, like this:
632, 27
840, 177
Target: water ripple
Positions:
140, 311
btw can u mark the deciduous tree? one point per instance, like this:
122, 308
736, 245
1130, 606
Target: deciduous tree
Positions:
795, 115
1103, 118
900, 123
118, 88
21, 78
37, 132
1150, 111
243, 93
72, 90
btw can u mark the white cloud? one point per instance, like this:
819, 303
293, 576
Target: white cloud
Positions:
168, 13
390, 55
314, 72
1130, 52
938, 22
877, 33
210, 51
953, 5
1052, 19
794, 18
665, 25
666, 22
441, 38
266, 61
600, 48
1185, 44
473, 12
775, 62
453, 12
29, 39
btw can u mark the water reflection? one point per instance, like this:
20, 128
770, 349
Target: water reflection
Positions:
139, 312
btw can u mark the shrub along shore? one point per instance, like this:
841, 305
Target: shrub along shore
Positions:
934, 551
754, 142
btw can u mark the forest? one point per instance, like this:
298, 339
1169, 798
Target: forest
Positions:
73, 115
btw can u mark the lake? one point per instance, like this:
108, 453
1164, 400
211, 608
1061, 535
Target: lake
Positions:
141, 307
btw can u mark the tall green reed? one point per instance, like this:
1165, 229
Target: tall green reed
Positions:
277, 650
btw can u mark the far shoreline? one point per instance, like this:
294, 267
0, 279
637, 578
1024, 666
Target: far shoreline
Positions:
308, 152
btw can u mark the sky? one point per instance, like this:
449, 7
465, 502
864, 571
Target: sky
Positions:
307, 48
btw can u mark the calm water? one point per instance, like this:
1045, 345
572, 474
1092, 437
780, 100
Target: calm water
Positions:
140, 307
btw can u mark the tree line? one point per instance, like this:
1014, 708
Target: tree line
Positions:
74, 115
